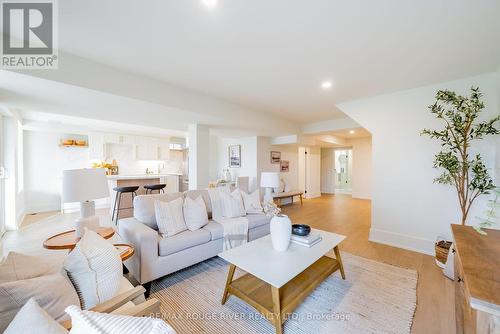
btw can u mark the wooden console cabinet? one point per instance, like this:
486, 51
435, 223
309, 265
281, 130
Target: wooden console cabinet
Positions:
477, 280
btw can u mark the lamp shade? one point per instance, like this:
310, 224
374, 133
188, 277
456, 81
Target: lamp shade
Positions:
269, 180
80, 185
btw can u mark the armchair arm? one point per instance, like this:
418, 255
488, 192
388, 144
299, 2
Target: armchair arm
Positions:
145, 242
151, 306
119, 300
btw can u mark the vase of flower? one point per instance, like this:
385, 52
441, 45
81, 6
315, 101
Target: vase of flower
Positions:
281, 231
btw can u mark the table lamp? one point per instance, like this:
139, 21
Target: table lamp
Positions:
269, 180
84, 186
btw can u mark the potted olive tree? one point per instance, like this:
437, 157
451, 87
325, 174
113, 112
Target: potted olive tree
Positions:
467, 174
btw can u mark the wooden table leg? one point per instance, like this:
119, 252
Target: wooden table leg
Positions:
300, 199
277, 310
337, 256
230, 275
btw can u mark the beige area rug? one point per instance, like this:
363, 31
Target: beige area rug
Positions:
374, 298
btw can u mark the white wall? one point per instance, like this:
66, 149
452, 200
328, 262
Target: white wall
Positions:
13, 160
361, 167
248, 158
408, 209
313, 172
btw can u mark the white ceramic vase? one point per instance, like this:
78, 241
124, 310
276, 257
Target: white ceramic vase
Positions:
281, 231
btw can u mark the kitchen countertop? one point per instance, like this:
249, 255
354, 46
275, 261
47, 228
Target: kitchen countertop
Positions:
139, 176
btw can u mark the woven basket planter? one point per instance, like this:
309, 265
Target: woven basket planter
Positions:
442, 248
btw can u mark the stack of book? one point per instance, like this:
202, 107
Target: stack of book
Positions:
308, 241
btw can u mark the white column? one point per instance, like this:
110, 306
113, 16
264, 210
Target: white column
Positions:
199, 144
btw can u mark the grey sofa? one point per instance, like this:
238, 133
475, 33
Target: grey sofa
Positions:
156, 256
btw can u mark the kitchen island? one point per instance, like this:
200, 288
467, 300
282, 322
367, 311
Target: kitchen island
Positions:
140, 180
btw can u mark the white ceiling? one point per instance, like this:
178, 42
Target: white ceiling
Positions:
272, 55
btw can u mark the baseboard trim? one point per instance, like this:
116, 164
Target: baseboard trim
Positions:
416, 244
313, 195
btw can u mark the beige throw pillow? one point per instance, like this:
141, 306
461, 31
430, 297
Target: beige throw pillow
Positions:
52, 292
170, 217
33, 319
232, 204
95, 269
252, 202
18, 266
195, 213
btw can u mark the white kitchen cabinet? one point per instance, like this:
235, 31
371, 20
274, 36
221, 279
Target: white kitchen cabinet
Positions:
146, 148
97, 149
172, 182
113, 138
164, 149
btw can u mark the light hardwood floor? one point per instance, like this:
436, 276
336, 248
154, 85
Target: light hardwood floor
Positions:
351, 217
337, 213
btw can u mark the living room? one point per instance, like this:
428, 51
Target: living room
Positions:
250, 167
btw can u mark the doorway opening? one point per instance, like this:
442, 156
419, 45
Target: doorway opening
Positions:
342, 165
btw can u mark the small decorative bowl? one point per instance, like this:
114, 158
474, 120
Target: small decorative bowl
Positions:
301, 229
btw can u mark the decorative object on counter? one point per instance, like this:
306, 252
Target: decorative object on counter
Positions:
285, 166
275, 157
84, 186
269, 180
234, 156
105, 165
493, 205
301, 229
226, 175
280, 225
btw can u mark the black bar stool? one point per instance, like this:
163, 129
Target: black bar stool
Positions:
151, 187
118, 198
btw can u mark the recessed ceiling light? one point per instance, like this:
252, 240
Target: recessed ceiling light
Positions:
351, 132
326, 84
210, 3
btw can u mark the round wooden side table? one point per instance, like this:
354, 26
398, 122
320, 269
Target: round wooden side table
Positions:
68, 240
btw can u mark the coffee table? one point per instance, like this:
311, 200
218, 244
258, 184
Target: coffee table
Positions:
275, 283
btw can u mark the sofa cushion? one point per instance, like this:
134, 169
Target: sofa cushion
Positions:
194, 194
195, 213
257, 220
183, 240
170, 217
144, 207
216, 230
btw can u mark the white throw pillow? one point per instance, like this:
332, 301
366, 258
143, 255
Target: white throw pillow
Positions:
95, 269
169, 217
195, 213
53, 293
232, 204
144, 207
88, 322
252, 202
31, 318
18, 266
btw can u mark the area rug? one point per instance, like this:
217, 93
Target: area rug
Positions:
374, 298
